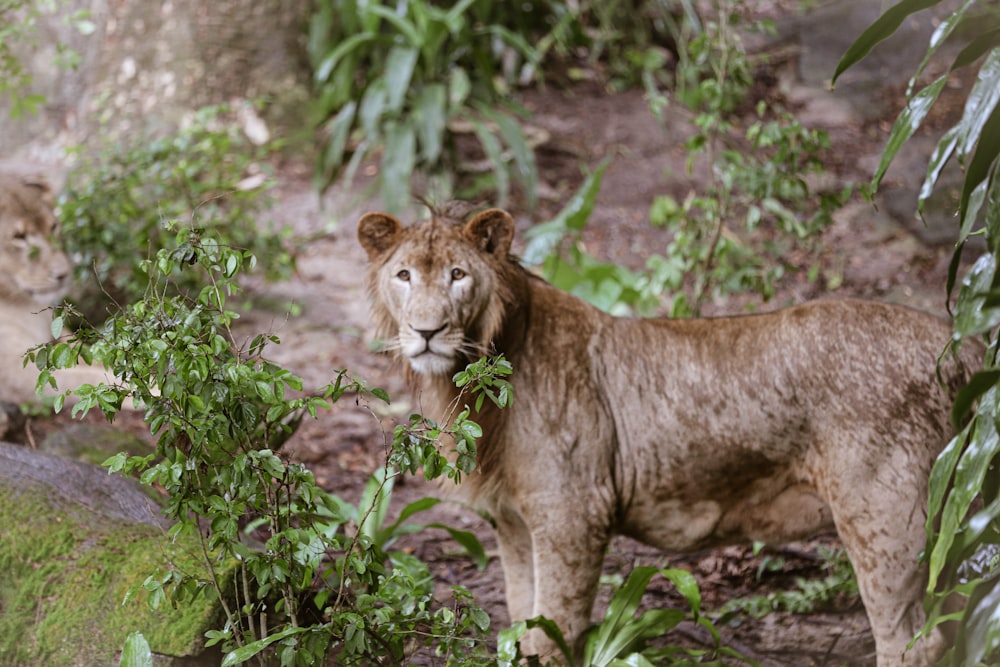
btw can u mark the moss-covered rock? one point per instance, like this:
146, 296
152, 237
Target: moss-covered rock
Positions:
74, 542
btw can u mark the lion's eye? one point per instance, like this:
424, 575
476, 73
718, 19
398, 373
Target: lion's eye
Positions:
457, 274
404, 275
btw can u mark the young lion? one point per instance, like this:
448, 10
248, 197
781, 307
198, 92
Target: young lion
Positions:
33, 275
683, 434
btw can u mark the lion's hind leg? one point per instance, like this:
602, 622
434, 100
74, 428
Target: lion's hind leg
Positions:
880, 520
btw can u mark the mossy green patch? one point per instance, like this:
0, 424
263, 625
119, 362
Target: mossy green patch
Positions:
64, 575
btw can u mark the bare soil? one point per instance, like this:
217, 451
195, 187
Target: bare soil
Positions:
879, 257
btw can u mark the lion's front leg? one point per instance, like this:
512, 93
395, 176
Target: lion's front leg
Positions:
567, 565
514, 545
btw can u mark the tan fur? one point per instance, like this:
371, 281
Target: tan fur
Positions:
33, 276
683, 434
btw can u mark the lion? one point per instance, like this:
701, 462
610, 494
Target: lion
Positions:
681, 433
34, 275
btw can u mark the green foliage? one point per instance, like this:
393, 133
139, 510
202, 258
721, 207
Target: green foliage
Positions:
398, 78
757, 209
806, 596
313, 581
964, 501
120, 205
18, 22
136, 652
623, 638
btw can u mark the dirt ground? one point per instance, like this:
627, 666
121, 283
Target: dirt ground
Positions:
879, 257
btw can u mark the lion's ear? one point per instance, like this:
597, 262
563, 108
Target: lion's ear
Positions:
491, 231
378, 232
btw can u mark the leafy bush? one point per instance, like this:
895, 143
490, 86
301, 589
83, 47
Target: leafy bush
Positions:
120, 205
757, 209
964, 504
301, 575
401, 77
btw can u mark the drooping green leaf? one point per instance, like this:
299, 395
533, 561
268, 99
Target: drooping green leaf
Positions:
969, 473
982, 627
939, 158
967, 396
976, 48
908, 121
332, 59
972, 317
979, 105
879, 31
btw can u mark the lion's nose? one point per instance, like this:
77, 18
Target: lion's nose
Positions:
430, 333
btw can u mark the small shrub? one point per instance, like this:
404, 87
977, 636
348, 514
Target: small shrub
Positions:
319, 584
734, 236
120, 206
398, 78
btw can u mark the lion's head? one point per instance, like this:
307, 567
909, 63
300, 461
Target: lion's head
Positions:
31, 267
438, 287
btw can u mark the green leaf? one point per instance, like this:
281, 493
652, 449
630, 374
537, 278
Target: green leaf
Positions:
982, 627
976, 48
978, 384
972, 316
431, 119
407, 29
136, 652
687, 585
398, 71
416, 507
543, 239
473, 547
979, 105
339, 130
373, 106
611, 637
969, 473
939, 158
880, 30
494, 151
507, 643
524, 157
56, 328
459, 87
332, 59
398, 161
908, 121
245, 653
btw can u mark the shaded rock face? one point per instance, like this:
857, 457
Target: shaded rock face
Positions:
74, 543
148, 63
84, 490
